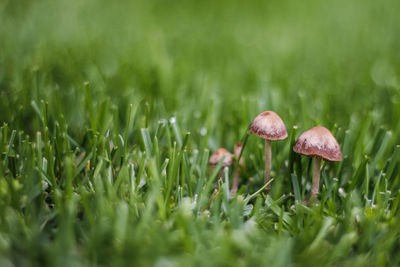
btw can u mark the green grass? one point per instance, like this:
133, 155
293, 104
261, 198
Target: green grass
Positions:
109, 113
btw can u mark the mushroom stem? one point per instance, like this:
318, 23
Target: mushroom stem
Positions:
267, 173
235, 183
316, 176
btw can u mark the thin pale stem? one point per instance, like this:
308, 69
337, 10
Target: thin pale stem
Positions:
316, 177
267, 174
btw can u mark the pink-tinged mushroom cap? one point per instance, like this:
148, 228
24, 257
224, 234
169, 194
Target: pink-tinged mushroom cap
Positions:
218, 155
268, 125
320, 142
237, 149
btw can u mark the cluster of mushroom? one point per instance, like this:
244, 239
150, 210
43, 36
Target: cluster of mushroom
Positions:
317, 142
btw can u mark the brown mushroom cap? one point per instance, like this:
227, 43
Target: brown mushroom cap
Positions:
237, 149
268, 125
320, 142
218, 155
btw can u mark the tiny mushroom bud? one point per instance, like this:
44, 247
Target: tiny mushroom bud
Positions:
269, 126
237, 150
319, 143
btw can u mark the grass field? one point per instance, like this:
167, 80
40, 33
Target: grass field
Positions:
109, 111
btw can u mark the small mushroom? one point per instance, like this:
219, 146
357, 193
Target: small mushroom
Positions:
235, 182
269, 126
319, 143
217, 156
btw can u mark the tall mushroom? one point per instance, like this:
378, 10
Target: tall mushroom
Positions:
235, 182
319, 143
269, 126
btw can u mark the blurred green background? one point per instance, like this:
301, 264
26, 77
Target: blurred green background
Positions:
311, 61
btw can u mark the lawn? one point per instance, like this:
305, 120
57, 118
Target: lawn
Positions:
110, 111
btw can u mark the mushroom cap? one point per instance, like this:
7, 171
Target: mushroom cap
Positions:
218, 155
237, 149
318, 141
268, 125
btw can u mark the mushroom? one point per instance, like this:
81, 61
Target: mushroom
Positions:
235, 182
319, 143
217, 156
269, 126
